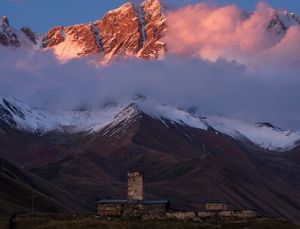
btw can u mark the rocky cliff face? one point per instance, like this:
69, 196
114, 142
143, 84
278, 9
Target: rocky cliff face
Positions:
282, 20
126, 31
154, 23
32, 36
120, 31
72, 41
7, 35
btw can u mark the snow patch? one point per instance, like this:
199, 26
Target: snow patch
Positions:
263, 136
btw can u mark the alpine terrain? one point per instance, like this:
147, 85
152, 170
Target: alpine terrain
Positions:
64, 161
87, 154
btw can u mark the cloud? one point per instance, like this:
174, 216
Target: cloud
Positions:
227, 88
212, 32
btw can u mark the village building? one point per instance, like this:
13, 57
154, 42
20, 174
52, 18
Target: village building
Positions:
135, 186
216, 205
135, 205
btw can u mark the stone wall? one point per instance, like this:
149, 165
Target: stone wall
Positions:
239, 213
145, 211
135, 186
228, 213
187, 215
181, 215
113, 210
133, 210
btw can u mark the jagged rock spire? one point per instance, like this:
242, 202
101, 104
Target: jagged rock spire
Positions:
5, 20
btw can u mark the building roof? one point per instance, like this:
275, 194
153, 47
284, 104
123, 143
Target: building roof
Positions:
149, 202
216, 202
112, 201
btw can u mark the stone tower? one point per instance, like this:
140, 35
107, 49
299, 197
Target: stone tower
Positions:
135, 186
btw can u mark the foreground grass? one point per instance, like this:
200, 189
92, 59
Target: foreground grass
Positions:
69, 222
4, 222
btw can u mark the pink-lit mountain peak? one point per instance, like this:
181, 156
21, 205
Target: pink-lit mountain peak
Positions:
126, 31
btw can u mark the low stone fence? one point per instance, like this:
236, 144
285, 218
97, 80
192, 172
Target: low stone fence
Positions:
186, 215
181, 215
239, 213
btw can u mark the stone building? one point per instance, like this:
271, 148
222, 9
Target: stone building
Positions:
111, 208
135, 205
216, 205
135, 186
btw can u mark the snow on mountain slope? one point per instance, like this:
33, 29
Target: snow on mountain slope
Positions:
11, 37
264, 136
38, 121
22, 117
72, 41
8, 37
288, 19
282, 20
172, 114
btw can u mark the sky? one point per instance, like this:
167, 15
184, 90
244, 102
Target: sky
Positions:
42, 15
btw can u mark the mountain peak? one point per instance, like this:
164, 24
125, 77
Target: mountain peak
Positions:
5, 20
7, 35
125, 31
123, 8
152, 3
282, 20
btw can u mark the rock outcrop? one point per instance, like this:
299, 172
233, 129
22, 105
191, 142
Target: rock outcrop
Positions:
72, 41
126, 31
155, 26
120, 31
282, 20
7, 35
30, 34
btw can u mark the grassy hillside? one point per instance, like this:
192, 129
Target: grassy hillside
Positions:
21, 191
78, 222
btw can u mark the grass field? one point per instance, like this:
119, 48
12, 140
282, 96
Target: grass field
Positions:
90, 222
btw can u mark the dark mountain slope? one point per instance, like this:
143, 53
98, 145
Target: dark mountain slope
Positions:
21, 191
180, 163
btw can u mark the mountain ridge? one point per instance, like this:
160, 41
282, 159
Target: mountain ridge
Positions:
14, 114
176, 159
126, 31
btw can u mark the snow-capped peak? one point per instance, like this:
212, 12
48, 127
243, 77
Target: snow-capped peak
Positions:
8, 37
282, 20
264, 136
39, 121
22, 117
288, 19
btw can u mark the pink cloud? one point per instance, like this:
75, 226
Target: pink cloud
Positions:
211, 32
